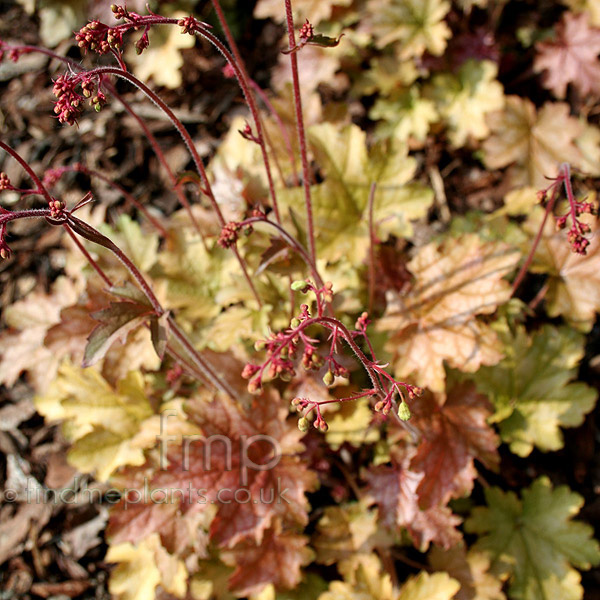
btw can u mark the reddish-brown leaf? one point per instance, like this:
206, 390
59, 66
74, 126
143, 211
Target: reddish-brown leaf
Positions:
245, 465
572, 57
455, 433
277, 560
394, 489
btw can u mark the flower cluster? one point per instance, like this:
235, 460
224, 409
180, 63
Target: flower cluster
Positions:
306, 33
57, 209
191, 25
283, 350
13, 53
229, 235
102, 39
68, 105
99, 37
5, 182
247, 134
576, 235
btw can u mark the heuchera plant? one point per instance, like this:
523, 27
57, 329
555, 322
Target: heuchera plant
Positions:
281, 348
435, 425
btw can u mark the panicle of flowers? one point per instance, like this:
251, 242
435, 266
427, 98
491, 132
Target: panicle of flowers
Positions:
191, 25
577, 233
5, 183
307, 35
101, 38
229, 234
68, 106
283, 348
57, 209
14, 53
307, 32
293, 345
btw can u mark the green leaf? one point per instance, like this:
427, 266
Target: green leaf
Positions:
465, 99
116, 322
531, 387
406, 115
340, 204
415, 25
130, 292
534, 541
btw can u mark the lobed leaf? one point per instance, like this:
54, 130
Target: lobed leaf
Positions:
531, 388
436, 321
534, 541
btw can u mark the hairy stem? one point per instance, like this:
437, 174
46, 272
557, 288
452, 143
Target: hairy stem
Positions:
183, 132
41, 189
300, 129
372, 242
525, 267
237, 62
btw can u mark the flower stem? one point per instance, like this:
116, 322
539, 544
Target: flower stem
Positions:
372, 242
524, 268
41, 189
300, 129
237, 62
183, 132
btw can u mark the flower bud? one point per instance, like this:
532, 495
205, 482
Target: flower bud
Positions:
295, 323
249, 371
328, 378
254, 386
404, 411
299, 286
303, 424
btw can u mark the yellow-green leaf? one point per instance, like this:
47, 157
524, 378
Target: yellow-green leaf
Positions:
415, 25
531, 387
534, 541
464, 99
